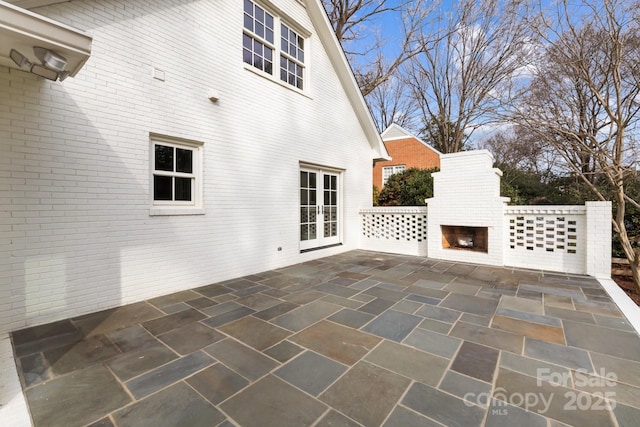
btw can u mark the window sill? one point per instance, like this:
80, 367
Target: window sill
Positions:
166, 211
273, 79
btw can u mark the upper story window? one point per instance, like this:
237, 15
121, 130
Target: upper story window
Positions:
258, 37
176, 174
387, 171
259, 48
291, 57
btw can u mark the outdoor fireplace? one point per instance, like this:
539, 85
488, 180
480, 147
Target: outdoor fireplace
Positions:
465, 238
465, 216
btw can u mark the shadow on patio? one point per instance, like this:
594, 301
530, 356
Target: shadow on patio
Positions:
360, 338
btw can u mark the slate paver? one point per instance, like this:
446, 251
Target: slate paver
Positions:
352, 318
311, 372
570, 357
306, 315
402, 416
340, 343
409, 362
442, 407
529, 329
475, 360
470, 304
271, 402
76, 399
137, 362
603, 340
464, 387
217, 382
392, 325
80, 355
366, 401
488, 336
555, 401
166, 323
433, 342
190, 338
167, 374
255, 332
178, 405
249, 363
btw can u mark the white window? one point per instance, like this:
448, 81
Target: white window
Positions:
387, 171
261, 29
176, 176
291, 57
258, 36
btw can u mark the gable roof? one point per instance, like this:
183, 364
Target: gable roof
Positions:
332, 46
394, 131
320, 20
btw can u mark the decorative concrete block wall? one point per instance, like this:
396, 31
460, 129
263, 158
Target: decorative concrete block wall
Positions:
395, 229
546, 237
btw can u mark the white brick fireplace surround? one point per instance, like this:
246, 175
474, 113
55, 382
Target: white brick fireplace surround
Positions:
466, 193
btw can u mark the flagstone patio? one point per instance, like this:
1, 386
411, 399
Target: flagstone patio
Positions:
358, 339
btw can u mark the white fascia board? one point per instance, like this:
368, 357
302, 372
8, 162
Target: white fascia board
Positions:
332, 46
22, 29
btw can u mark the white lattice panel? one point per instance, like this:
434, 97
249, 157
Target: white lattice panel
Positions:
404, 227
392, 229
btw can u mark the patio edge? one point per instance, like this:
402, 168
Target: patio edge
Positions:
626, 305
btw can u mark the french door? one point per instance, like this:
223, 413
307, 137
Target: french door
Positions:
320, 220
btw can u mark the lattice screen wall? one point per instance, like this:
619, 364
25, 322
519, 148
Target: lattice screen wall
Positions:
544, 233
399, 224
395, 226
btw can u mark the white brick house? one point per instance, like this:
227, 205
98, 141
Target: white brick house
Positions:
176, 156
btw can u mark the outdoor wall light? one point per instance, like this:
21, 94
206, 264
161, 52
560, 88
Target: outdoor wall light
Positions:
52, 66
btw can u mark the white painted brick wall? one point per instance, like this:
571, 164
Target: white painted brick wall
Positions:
75, 230
466, 193
598, 246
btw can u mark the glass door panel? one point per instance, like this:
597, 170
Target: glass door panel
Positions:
319, 209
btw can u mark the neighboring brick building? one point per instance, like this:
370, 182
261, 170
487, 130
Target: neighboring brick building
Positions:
406, 151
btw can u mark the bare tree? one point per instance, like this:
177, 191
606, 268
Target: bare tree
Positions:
468, 54
519, 149
585, 99
357, 24
390, 102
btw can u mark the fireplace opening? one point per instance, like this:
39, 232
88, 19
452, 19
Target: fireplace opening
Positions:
465, 238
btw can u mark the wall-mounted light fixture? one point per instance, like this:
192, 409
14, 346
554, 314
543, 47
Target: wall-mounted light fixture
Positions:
51, 67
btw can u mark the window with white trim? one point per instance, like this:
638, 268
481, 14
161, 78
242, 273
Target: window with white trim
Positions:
176, 173
387, 171
291, 56
258, 37
261, 29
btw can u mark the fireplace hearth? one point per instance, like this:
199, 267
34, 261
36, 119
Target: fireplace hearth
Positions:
465, 238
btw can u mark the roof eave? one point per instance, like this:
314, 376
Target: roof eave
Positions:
22, 30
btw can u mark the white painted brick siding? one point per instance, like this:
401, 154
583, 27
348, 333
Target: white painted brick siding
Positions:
467, 193
75, 231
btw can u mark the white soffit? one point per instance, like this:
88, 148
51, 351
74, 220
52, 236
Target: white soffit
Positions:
21, 29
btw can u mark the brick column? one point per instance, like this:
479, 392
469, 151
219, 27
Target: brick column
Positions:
598, 229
